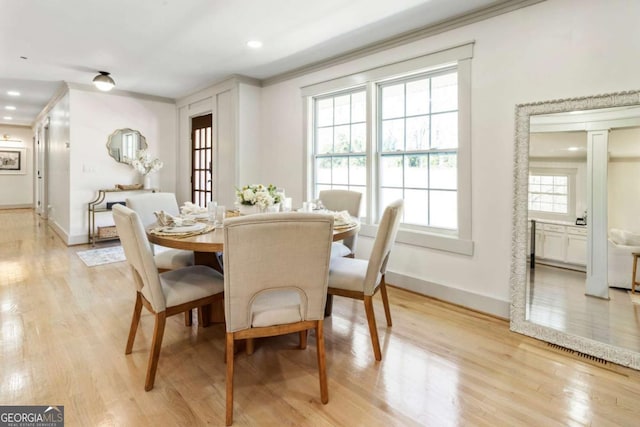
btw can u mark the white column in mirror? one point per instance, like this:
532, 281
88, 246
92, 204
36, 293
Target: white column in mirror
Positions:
597, 202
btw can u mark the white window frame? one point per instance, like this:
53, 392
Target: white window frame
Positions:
427, 151
459, 56
348, 155
570, 173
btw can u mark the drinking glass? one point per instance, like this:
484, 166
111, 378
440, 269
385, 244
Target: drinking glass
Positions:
221, 212
211, 210
287, 203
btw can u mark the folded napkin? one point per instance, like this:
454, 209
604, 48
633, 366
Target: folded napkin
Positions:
192, 209
342, 218
166, 220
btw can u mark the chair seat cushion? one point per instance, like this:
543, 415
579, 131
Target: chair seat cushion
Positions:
349, 274
276, 307
339, 250
171, 259
190, 283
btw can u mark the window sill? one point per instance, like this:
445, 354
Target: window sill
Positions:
426, 240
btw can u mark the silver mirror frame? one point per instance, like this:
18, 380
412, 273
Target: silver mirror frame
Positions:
519, 264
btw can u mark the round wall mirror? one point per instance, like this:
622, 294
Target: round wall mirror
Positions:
124, 144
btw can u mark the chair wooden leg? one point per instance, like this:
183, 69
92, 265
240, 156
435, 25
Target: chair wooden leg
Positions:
249, 346
229, 353
322, 362
154, 355
635, 269
204, 315
373, 330
303, 339
328, 307
135, 320
188, 318
385, 301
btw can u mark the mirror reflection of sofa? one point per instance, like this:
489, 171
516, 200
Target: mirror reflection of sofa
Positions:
622, 244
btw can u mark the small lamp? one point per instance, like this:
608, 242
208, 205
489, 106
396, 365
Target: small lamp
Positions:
103, 81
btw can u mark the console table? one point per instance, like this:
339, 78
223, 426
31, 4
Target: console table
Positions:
98, 205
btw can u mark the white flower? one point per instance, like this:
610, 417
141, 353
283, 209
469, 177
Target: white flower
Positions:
258, 194
249, 195
144, 164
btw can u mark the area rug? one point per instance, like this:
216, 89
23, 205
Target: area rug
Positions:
635, 298
102, 256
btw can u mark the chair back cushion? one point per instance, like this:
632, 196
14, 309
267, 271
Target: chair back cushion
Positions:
148, 203
138, 253
386, 235
342, 200
276, 260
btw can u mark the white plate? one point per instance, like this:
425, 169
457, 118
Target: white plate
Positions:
185, 228
196, 216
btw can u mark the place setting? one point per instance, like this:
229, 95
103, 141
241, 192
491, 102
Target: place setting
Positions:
192, 221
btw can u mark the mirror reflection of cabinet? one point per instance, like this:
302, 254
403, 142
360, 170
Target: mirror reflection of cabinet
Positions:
123, 144
560, 245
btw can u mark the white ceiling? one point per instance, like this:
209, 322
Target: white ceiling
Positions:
172, 48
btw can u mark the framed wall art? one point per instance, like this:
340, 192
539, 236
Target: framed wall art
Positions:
12, 161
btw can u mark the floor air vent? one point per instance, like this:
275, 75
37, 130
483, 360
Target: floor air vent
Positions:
577, 353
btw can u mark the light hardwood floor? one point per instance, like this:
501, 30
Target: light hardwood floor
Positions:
556, 299
64, 329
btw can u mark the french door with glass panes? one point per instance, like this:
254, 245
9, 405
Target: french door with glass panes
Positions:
202, 160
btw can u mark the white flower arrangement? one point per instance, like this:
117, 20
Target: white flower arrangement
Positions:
144, 164
258, 194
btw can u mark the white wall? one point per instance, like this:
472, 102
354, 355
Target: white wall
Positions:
624, 194
94, 116
58, 168
80, 123
623, 178
16, 191
555, 49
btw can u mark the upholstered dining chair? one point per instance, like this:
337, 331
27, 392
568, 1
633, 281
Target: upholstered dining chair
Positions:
343, 200
276, 282
361, 279
163, 294
145, 205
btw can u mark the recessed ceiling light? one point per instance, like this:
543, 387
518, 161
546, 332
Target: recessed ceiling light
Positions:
8, 118
9, 107
254, 44
13, 93
574, 148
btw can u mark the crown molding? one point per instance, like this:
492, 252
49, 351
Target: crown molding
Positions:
477, 15
91, 88
63, 89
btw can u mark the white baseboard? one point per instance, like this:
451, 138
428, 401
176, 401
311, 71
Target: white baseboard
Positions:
78, 239
28, 206
59, 231
482, 303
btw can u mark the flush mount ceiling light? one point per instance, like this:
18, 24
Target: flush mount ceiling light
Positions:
254, 44
9, 107
13, 93
103, 81
8, 118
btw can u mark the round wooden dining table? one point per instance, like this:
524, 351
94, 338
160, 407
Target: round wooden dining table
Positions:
207, 248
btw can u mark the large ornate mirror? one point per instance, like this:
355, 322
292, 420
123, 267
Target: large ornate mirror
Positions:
576, 204
124, 144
